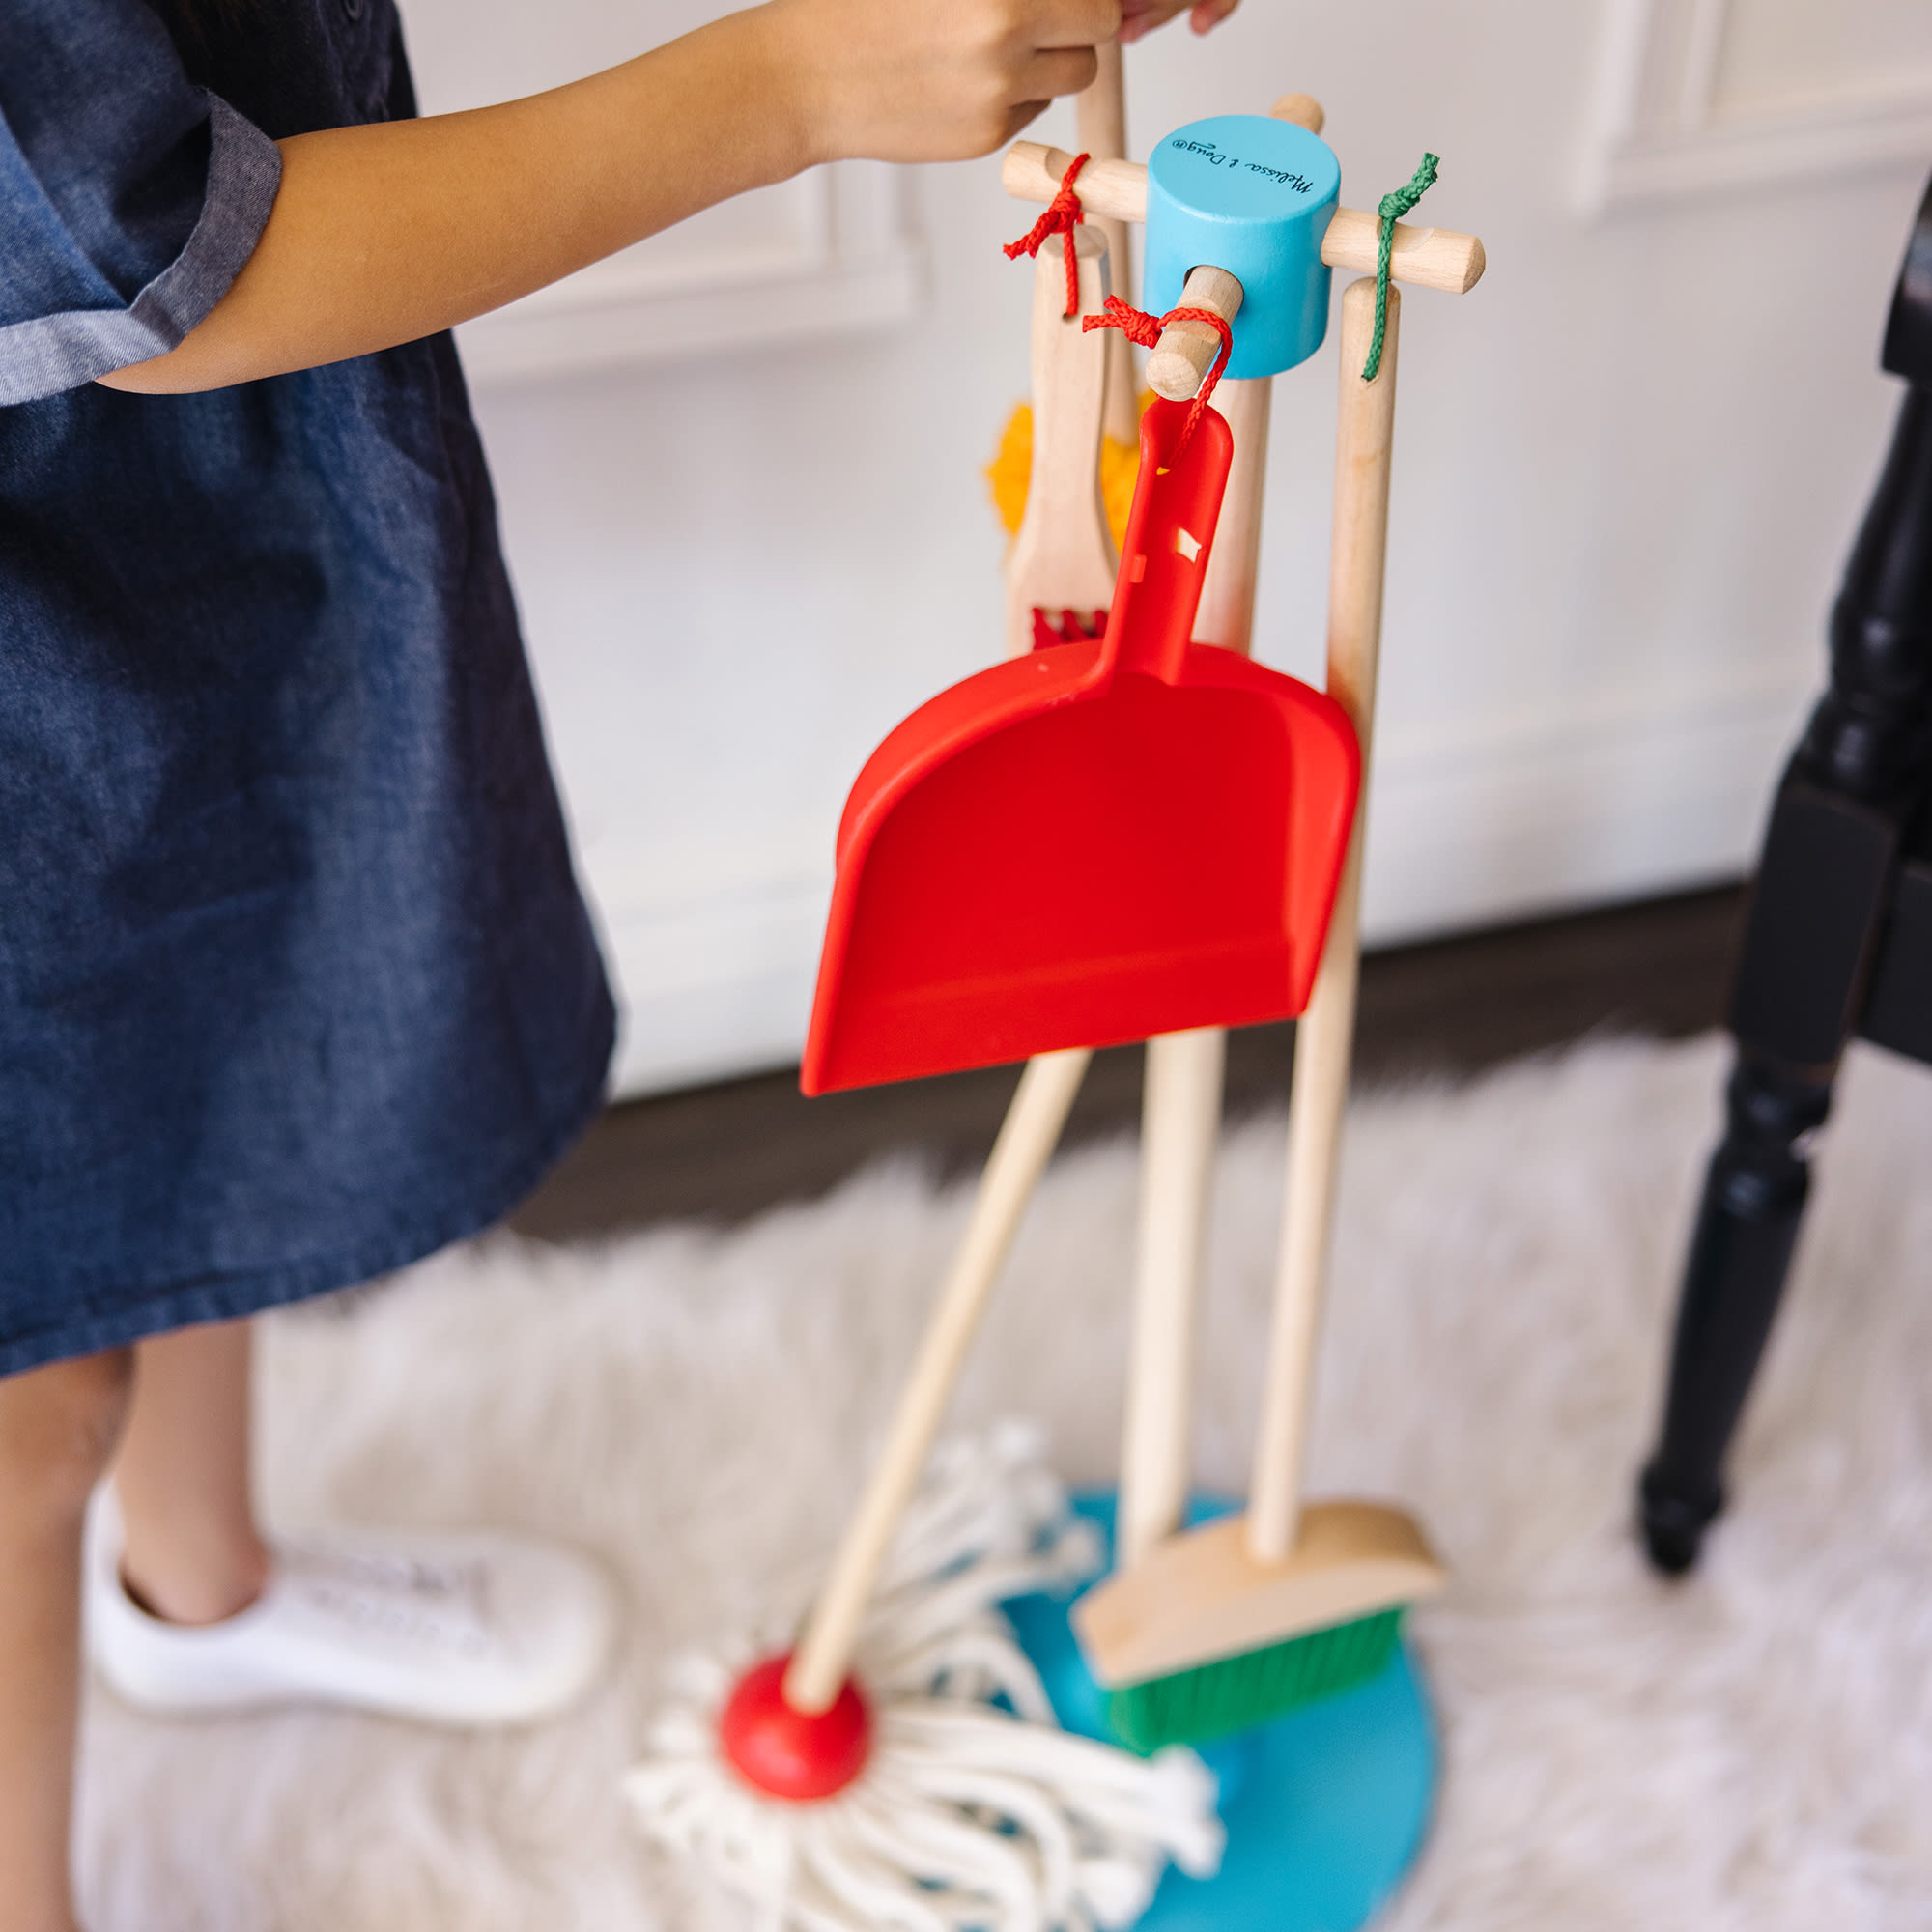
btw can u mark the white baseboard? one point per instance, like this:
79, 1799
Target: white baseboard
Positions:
1472, 821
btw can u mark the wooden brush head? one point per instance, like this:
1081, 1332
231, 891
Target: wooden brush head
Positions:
1200, 1596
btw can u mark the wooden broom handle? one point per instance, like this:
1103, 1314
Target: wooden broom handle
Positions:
823, 1657
1325, 1034
1181, 1118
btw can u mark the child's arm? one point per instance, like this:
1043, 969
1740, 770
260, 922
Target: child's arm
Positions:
385, 233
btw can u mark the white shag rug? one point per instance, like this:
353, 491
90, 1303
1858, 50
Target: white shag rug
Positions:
1751, 1748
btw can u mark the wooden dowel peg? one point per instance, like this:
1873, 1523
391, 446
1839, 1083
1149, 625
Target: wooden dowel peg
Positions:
1426, 258
1186, 350
1114, 190
1303, 109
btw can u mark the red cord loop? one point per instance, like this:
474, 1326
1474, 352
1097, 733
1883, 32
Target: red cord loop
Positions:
1137, 325
1064, 215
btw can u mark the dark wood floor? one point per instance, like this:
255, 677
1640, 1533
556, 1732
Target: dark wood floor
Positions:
725, 1152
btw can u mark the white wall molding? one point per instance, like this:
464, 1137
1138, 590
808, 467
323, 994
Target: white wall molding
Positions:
712, 982
1671, 121
1473, 818
833, 253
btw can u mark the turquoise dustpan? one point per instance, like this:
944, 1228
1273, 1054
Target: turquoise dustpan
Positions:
1325, 1809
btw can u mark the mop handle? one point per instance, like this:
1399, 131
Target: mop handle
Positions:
1181, 1117
823, 1657
1325, 1034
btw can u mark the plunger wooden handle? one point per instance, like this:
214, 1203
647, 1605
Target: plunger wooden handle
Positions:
823, 1657
1303, 109
1325, 1034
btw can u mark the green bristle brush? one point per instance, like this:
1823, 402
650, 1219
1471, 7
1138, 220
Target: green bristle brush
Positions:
1221, 1628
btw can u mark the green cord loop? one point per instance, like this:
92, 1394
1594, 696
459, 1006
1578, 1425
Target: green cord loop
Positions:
1391, 208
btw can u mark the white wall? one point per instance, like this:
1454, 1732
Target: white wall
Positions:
1628, 463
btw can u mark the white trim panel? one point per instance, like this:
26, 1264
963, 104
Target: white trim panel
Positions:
1669, 124
834, 255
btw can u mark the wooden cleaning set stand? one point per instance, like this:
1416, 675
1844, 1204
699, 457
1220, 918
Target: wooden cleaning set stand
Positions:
1244, 1579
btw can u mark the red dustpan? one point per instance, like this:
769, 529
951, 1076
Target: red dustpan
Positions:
1102, 840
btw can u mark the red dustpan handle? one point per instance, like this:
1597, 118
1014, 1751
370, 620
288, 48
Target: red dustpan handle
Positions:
1170, 536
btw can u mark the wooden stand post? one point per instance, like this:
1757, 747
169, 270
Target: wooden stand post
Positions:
1101, 116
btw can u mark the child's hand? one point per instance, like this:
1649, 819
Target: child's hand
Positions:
937, 80
1143, 17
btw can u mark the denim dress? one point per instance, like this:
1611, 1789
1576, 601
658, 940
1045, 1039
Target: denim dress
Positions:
296, 981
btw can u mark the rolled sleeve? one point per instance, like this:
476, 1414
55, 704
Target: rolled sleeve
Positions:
130, 198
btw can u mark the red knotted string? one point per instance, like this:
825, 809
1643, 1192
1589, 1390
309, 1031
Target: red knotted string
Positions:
1064, 215
1137, 325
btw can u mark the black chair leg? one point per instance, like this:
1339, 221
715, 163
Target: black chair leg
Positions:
1823, 897
1747, 1227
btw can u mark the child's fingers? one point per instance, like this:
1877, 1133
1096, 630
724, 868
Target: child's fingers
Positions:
1209, 14
1021, 116
1057, 70
1142, 16
1074, 23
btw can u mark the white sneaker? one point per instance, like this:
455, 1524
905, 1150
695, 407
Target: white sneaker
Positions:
450, 1629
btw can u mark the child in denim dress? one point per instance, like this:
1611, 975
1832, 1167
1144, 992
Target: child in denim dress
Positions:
295, 982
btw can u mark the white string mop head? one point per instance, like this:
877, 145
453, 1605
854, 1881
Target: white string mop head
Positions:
965, 1816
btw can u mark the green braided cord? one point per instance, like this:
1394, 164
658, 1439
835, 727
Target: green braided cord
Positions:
1392, 207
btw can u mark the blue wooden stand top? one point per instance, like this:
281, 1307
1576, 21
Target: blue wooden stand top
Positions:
1254, 196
